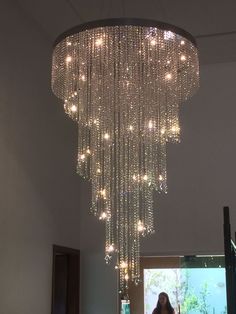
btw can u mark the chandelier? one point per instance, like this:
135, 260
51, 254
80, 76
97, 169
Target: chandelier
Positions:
122, 81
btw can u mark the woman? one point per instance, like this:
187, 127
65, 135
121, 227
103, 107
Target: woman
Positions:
163, 305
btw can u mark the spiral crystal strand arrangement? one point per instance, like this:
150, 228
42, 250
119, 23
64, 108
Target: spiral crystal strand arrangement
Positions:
122, 81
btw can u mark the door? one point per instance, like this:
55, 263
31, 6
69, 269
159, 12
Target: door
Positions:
65, 281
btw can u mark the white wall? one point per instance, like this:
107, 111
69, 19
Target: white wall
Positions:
98, 280
38, 185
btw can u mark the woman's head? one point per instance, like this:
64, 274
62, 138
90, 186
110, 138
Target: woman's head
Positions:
164, 302
163, 298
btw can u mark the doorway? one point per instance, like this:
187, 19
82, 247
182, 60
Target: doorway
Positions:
65, 280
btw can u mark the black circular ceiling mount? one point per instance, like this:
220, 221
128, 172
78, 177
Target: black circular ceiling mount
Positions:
125, 22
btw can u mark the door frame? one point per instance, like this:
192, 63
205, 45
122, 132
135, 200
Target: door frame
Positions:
57, 249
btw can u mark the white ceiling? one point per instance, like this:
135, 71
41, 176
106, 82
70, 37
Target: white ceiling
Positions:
213, 22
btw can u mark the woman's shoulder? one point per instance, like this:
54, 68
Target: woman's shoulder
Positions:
155, 311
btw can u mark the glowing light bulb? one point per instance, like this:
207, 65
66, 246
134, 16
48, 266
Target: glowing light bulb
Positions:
110, 248
131, 128
168, 76
75, 93
182, 42
168, 35
145, 177
153, 42
134, 177
160, 177
163, 131
116, 267
98, 170
103, 216
150, 124
106, 136
126, 277
88, 151
140, 226
98, 42
123, 265
182, 57
82, 157
73, 108
103, 193
68, 59
173, 129
83, 78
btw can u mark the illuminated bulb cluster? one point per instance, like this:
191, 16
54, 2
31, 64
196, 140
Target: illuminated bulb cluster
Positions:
98, 42
103, 216
141, 227
150, 125
103, 193
123, 85
153, 42
82, 157
123, 265
131, 128
106, 136
111, 248
68, 59
168, 76
73, 108
145, 177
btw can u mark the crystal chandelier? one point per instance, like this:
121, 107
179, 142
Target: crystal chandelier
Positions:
122, 81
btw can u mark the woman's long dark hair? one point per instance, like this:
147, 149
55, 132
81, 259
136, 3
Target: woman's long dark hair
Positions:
169, 308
